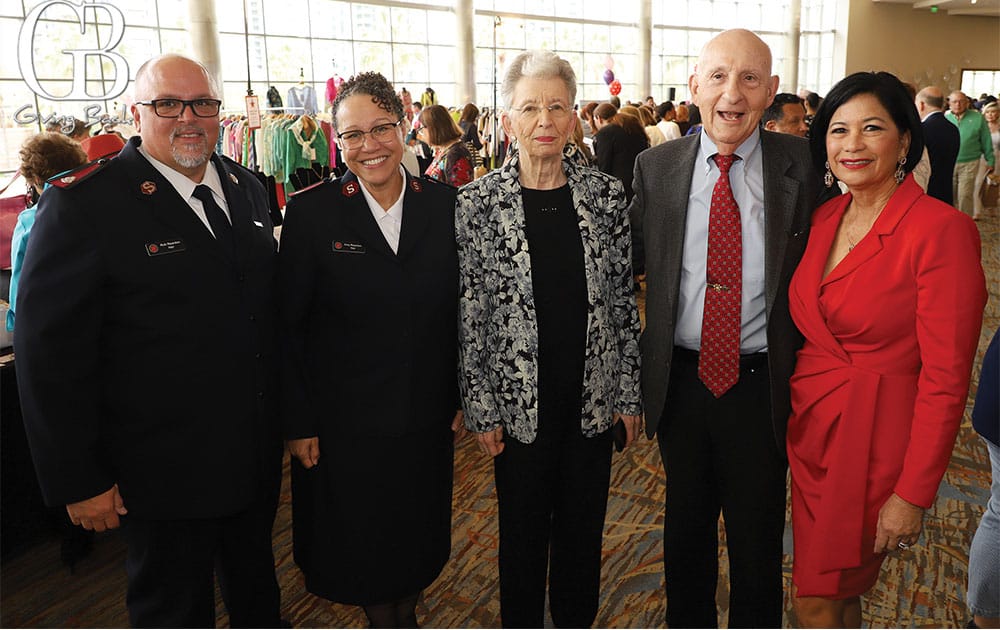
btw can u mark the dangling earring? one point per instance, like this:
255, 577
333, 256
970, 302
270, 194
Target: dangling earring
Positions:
900, 175
828, 176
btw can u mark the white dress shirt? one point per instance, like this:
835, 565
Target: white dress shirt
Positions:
185, 187
746, 178
389, 221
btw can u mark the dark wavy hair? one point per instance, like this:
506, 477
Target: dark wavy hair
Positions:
371, 84
890, 92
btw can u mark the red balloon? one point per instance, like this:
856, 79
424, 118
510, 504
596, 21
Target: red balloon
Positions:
615, 88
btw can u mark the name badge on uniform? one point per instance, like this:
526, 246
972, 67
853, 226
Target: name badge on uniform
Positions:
343, 247
161, 248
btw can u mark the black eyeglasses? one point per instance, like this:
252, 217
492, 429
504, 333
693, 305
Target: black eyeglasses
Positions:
174, 107
355, 138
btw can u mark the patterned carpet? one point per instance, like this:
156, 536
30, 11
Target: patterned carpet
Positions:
925, 588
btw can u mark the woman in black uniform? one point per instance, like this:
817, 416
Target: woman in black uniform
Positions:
368, 279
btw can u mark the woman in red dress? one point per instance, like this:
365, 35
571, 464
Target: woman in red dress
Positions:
889, 296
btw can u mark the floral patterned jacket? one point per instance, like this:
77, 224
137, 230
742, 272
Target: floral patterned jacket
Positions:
498, 334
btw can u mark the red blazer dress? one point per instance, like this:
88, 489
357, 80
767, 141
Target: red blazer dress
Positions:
881, 382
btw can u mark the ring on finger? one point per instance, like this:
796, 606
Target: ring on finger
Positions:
903, 545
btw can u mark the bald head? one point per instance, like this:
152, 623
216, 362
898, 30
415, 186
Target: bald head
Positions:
184, 141
732, 86
929, 100
749, 44
150, 72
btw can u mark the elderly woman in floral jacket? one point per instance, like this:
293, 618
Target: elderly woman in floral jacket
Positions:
549, 346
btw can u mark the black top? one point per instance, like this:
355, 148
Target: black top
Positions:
470, 135
615, 151
559, 280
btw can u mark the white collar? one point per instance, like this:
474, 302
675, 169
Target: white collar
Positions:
395, 210
181, 182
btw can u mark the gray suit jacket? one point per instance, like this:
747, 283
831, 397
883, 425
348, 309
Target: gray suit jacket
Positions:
658, 212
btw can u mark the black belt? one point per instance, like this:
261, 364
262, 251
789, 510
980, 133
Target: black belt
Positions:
749, 361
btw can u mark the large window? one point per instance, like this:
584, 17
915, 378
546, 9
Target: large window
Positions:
591, 34
285, 43
978, 82
816, 45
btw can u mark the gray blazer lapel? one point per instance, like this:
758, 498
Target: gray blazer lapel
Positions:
674, 170
781, 196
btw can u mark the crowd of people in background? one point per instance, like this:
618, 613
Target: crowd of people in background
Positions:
450, 326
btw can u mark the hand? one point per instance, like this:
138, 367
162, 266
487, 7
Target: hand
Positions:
491, 442
458, 425
633, 427
306, 450
898, 521
98, 513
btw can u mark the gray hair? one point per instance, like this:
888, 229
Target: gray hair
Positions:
537, 64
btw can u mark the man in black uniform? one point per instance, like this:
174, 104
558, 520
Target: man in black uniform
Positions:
145, 351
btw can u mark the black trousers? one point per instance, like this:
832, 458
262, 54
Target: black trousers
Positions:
552, 496
171, 563
720, 454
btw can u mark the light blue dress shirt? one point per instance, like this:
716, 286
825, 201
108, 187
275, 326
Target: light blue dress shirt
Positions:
747, 180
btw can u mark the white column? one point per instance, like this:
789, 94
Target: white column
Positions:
645, 51
790, 71
465, 62
204, 33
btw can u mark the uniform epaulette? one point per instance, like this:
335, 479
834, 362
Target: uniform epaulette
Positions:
416, 183
72, 177
311, 186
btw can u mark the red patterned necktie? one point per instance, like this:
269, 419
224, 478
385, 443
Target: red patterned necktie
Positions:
719, 360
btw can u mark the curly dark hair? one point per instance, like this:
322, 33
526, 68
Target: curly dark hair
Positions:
47, 154
374, 85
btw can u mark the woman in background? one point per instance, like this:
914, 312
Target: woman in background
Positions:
43, 156
470, 131
453, 163
620, 138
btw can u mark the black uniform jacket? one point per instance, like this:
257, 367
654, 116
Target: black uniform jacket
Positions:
369, 336
145, 354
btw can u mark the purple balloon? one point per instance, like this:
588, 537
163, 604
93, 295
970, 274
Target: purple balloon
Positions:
609, 76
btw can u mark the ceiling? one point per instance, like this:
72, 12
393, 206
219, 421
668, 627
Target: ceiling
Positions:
990, 8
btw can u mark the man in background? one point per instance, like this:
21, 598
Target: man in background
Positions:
941, 139
974, 141
787, 114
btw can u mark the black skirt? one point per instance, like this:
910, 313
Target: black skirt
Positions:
372, 521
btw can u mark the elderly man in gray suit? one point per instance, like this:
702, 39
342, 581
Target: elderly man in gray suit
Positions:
721, 219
